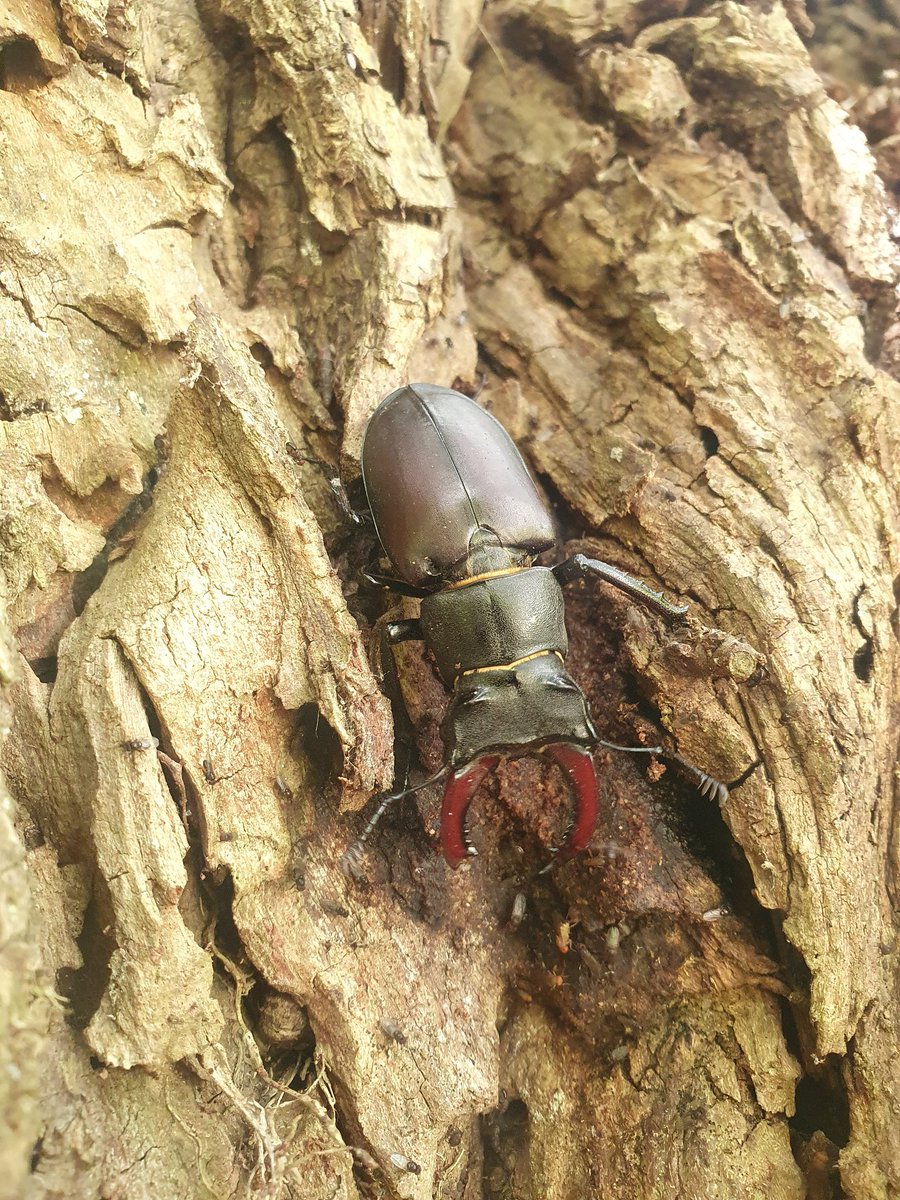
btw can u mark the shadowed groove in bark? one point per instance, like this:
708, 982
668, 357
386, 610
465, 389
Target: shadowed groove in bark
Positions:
84, 988
505, 1138
822, 1104
317, 742
21, 66
88, 581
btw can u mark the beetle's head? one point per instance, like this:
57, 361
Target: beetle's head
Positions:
531, 707
515, 709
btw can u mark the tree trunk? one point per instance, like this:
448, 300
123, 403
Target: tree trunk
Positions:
660, 249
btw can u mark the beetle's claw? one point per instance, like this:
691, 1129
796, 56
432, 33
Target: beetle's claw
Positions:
707, 785
351, 863
715, 790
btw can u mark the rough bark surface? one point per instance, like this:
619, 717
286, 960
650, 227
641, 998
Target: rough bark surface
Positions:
654, 239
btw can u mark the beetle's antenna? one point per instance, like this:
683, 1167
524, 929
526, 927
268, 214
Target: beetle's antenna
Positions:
350, 859
707, 785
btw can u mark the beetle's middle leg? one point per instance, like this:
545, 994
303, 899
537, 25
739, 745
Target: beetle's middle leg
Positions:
579, 566
707, 785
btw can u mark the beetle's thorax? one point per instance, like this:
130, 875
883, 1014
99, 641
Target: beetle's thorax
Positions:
500, 640
494, 619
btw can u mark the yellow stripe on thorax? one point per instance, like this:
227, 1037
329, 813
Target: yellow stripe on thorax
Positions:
461, 583
508, 666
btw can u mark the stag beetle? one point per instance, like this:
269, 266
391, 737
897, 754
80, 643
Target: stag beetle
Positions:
460, 520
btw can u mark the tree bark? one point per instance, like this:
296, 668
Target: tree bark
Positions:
651, 237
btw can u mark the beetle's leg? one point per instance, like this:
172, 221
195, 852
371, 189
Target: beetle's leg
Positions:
394, 585
579, 766
392, 632
580, 565
350, 859
458, 792
373, 575
708, 786
407, 629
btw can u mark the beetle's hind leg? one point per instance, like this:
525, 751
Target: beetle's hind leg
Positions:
707, 784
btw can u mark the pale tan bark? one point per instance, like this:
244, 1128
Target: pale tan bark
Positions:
666, 254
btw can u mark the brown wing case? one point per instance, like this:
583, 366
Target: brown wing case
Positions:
436, 468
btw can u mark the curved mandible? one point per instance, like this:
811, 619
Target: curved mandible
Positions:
579, 766
461, 786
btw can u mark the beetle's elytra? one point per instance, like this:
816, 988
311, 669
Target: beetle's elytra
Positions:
460, 520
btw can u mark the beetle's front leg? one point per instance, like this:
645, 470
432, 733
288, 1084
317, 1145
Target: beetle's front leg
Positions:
707, 785
392, 632
579, 566
409, 629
